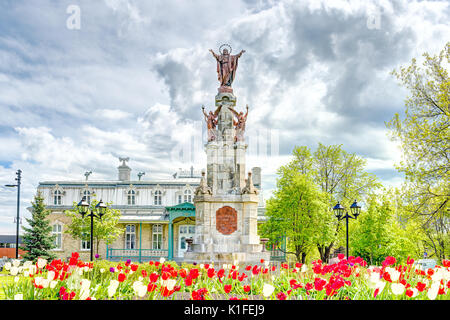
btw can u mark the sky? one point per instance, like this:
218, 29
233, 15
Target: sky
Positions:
85, 82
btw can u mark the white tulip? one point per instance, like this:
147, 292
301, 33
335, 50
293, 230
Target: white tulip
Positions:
433, 291
85, 284
397, 288
14, 271
16, 279
18, 296
16, 263
7, 266
53, 284
45, 283
27, 264
415, 292
102, 270
38, 281
304, 268
113, 285
142, 290
393, 273
139, 288
32, 269
41, 263
171, 284
268, 290
51, 275
162, 260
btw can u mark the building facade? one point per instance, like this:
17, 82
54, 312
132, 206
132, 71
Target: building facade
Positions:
156, 215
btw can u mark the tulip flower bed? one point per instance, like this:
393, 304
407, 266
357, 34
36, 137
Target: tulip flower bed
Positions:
347, 279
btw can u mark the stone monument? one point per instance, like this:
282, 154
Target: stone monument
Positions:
226, 200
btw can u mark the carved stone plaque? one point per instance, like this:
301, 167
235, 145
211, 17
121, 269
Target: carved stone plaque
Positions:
226, 220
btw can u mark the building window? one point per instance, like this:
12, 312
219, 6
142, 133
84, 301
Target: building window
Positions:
85, 244
57, 197
87, 196
57, 231
180, 198
130, 236
131, 197
157, 236
158, 196
187, 196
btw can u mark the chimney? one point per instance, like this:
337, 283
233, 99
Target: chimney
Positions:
124, 170
256, 177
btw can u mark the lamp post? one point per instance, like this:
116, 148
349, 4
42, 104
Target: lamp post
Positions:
341, 213
83, 209
18, 173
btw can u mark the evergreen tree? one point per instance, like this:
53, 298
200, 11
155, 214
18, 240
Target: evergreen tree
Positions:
38, 240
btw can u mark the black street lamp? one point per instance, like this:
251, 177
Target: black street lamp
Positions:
341, 213
18, 173
83, 209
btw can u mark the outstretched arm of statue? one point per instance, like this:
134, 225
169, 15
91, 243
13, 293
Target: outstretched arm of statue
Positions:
234, 112
240, 53
217, 110
214, 54
247, 111
206, 116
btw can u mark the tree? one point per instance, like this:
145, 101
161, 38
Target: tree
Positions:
295, 212
423, 135
342, 177
338, 176
105, 229
37, 239
381, 231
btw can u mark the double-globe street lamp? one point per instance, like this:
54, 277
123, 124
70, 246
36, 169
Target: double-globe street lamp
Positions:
18, 173
341, 213
98, 212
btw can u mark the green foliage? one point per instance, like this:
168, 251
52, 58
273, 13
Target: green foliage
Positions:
328, 175
105, 229
37, 239
296, 211
380, 231
424, 134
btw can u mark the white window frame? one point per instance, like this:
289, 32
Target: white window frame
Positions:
57, 197
85, 245
187, 195
87, 194
131, 197
130, 236
157, 236
58, 234
158, 198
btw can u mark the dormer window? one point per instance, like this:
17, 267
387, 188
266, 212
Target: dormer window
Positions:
131, 197
187, 195
87, 196
57, 197
158, 197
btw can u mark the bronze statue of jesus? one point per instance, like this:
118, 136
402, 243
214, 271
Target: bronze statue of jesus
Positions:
226, 68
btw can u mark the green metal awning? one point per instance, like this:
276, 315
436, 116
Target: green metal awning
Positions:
185, 209
182, 210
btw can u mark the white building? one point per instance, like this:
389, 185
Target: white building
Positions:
157, 215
